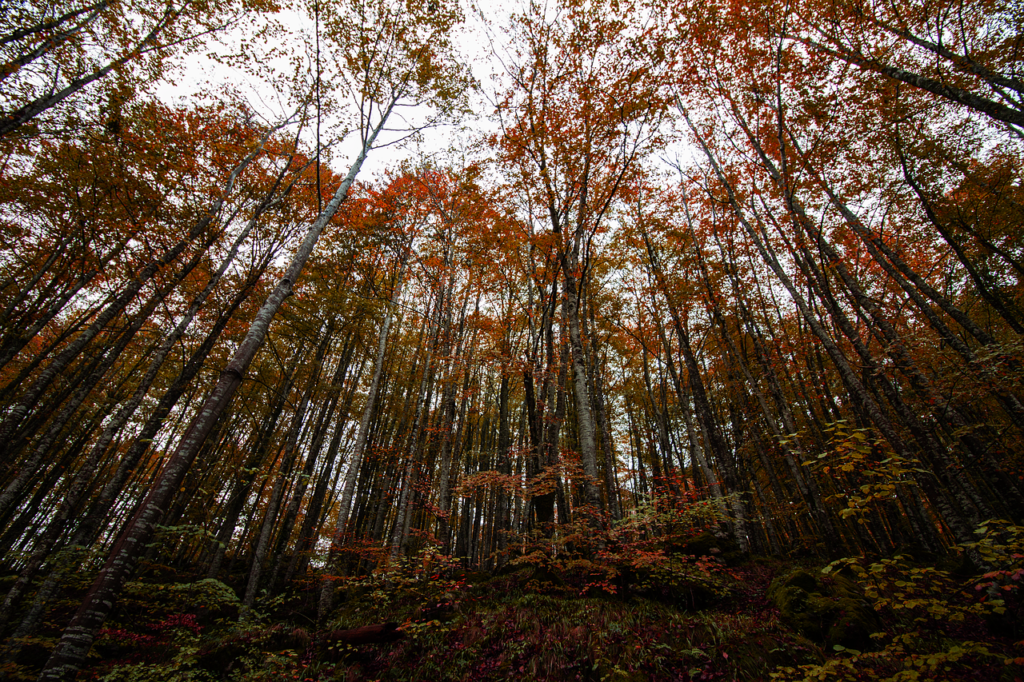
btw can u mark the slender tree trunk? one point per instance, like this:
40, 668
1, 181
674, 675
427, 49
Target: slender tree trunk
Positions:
705, 417
284, 474
359, 448
585, 425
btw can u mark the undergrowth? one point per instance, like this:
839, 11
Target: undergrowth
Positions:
575, 604
934, 625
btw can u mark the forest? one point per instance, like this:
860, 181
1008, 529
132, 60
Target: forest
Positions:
657, 340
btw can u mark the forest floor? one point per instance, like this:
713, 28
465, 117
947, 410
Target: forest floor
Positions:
661, 616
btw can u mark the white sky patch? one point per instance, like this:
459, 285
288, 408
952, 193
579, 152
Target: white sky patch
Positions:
208, 74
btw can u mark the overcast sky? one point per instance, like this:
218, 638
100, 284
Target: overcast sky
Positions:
201, 75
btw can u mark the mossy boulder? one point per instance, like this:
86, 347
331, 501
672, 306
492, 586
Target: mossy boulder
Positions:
231, 653
705, 544
826, 609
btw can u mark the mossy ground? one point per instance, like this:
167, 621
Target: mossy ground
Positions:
754, 621
515, 627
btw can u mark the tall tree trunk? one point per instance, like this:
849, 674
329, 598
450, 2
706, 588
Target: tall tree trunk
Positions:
359, 448
705, 418
284, 475
586, 429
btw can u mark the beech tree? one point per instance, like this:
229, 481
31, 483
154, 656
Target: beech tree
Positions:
52, 52
394, 65
575, 126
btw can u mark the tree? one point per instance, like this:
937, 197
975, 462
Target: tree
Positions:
401, 61
583, 104
53, 51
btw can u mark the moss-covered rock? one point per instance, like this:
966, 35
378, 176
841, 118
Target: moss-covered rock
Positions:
707, 544
829, 610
